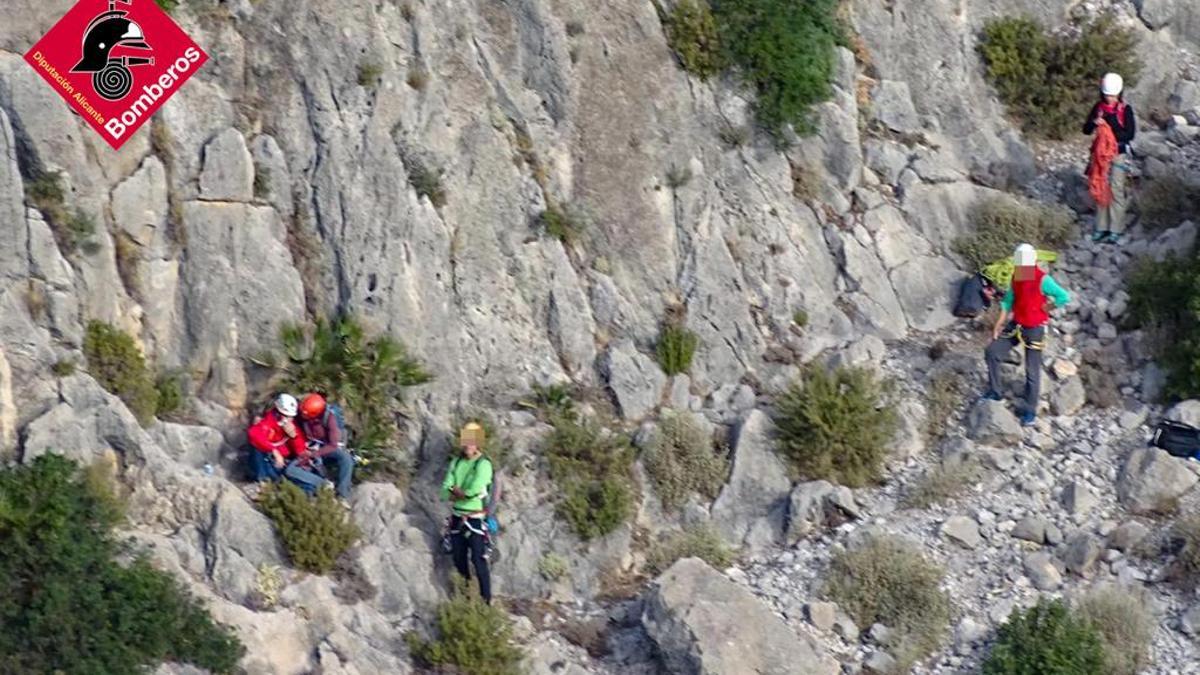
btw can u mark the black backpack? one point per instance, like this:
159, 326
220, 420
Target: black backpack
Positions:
971, 297
1177, 438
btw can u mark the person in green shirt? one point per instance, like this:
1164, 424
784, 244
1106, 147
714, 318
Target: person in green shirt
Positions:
467, 481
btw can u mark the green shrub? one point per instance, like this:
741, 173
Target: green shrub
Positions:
72, 229
369, 73
942, 483
262, 182
1001, 223
886, 580
1122, 618
1046, 638
63, 367
1183, 546
675, 349
561, 222
593, 473
316, 531
942, 398
115, 361
167, 5
681, 460
553, 567
1162, 296
428, 183
68, 606
170, 394
698, 542
473, 638
552, 402
837, 425
1049, 82
692, 34
1168, 201
367, 376
785, 52
800, 318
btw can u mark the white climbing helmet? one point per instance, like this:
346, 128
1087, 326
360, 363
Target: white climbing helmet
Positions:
1112, 84
287, 405
1025, 256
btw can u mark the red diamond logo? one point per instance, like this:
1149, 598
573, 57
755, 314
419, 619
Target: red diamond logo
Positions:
116, 62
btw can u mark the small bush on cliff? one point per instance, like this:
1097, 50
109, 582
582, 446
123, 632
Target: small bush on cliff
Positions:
68, 606
316, 531
1126, 626
473, 638
692, 34
113, 358
1168, 201
675, 349
887, 580
366, 375
593, 473
1049, 81
698, 542
1162, 296
1046, 638
681, 460
785, 50
1001, 223
837, 425
72, 229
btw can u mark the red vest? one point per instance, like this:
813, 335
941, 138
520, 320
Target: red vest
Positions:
1029, 305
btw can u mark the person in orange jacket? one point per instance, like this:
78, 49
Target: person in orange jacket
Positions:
277, 445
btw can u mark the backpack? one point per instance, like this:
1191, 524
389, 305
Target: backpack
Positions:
335, 410
1177, 438
971, 298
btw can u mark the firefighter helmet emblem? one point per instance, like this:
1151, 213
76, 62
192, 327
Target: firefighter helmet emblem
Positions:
111, 77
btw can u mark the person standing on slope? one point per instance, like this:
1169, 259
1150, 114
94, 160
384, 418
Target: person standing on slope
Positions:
467, 482
1111, 114
1024, 316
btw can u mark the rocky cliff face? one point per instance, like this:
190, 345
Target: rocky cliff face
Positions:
278, 185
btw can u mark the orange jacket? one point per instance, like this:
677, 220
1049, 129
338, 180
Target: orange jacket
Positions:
1104, 150
267, 436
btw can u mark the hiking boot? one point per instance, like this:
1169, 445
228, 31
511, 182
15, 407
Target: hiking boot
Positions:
1113, 238
1100, 236
344, 503
1028, 418
991, 395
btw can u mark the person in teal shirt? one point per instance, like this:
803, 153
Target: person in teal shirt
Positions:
466, 485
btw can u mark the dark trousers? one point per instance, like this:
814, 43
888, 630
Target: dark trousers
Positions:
464, 540
1035, 343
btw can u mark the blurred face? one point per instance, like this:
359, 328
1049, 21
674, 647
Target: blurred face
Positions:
1110, 99
1023, 273
470, 449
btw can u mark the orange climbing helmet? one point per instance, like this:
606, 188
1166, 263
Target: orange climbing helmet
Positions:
313, 406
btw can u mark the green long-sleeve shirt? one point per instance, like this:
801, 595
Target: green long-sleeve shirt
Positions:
472, 476
1050, 289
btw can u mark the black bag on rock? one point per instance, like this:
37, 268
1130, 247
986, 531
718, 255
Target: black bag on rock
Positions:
971, 298
1177, 438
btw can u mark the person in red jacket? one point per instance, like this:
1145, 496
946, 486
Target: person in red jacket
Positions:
277, 445
1024, 315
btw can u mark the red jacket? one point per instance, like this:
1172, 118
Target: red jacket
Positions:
1029, 304
267, 436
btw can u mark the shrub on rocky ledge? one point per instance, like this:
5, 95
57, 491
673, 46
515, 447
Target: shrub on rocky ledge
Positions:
837, 425
1046, 638
1161, 297
698, 542
113, 358
473, 638
1126, 626
316, 531
1002, 222
593, 473
886, 580
68, 606
681, 460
